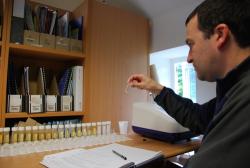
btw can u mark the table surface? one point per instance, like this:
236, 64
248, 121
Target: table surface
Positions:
168, 150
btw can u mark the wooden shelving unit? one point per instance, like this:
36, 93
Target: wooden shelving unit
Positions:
115, 45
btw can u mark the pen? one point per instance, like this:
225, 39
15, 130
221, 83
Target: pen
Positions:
118, 154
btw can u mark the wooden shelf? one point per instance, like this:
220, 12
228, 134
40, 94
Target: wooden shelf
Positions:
0, 43
40, 52
46, 114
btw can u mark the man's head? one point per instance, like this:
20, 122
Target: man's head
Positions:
211, 29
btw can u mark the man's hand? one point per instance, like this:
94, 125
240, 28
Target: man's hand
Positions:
141, 81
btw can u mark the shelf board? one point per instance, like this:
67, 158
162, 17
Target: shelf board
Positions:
40, 52
46, 114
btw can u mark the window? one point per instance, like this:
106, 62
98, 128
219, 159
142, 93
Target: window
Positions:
174, 72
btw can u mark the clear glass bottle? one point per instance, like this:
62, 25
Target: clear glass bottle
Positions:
6, 135
78, 130
28, 133
48, 135
21, 134
104, 128
14, 135
34, 133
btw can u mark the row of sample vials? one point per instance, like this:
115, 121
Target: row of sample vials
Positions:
12, 135
59, 144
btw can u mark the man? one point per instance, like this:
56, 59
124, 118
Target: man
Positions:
218, 34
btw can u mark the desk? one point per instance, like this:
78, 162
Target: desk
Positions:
169, 150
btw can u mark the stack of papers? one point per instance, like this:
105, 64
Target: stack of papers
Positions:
101, 157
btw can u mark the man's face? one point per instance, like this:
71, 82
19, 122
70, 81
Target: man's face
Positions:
202, 52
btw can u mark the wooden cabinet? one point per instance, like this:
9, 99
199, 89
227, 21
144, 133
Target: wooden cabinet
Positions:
115, 45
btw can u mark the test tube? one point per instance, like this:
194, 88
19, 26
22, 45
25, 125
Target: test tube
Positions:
99, 128
34, 133
6, 135
28, 133
1, 136
79, 130
48, 135
20, 134
14, 134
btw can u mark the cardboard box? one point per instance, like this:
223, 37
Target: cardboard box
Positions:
51, 103
31, 38
14, 103
66, 103
62, 43
47, 40
76, 45
36, 103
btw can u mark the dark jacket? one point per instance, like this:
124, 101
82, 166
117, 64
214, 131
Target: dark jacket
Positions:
224, 120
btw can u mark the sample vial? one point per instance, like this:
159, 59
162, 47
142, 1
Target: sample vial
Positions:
41, 132
6, 135
54, 132
14, 134
60, 131
79, 130
73, 130
28, 133
20, 134
99, 128
94, 128
34, 133
67, 131
104, 128
108, 127
84, 129
89, 129
48, 135
1, 136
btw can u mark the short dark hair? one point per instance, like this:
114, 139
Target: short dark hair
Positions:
234, 13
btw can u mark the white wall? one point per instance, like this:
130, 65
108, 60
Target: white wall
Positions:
168, 28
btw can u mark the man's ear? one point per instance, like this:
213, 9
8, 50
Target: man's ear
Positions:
222, 35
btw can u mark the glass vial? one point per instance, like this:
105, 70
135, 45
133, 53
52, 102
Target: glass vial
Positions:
41, 132
28, 133
99, 128
48, 135
34, 133
6, 135
79, 130
14, 134
20, 134
54, 132
1, 136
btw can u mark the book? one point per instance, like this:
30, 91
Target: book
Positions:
77, 86
100, 157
